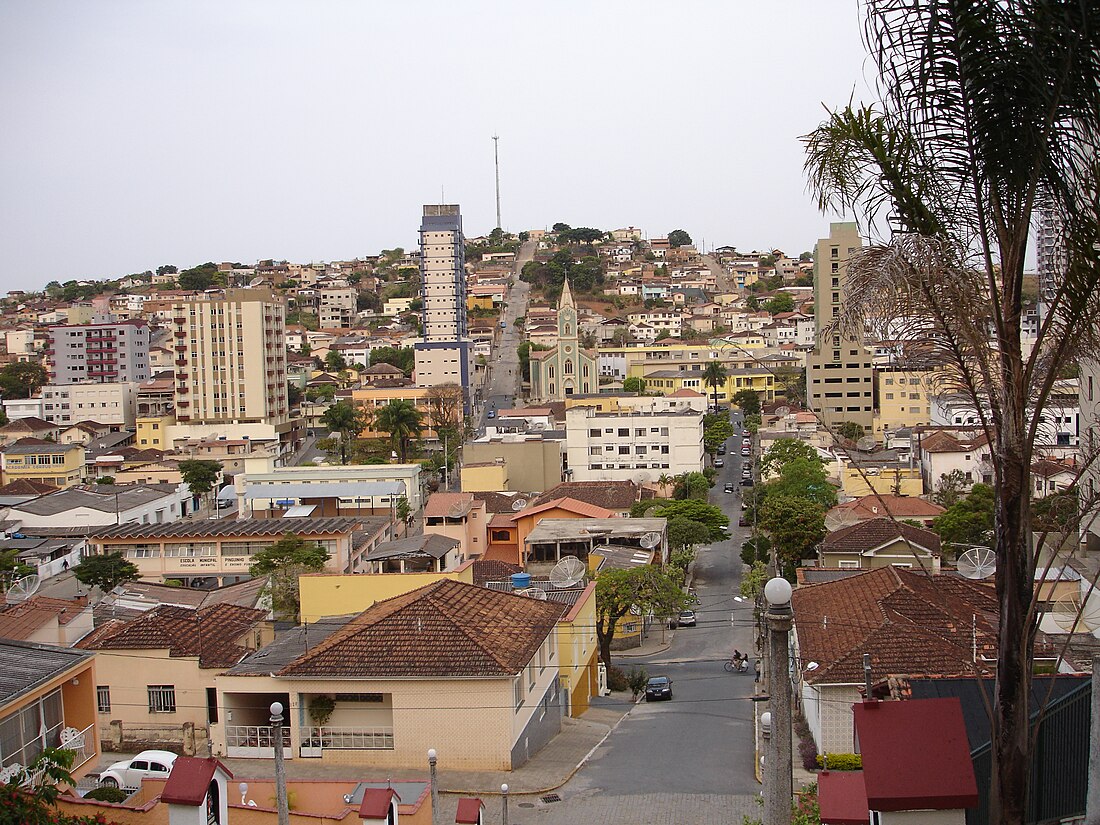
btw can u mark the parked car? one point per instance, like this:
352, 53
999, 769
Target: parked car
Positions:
721, 450
491, 414
146, 765
745, 433
658, 687
743, 521
687, 618
747, 482
729, 487
745, 451
719, 462
746, 471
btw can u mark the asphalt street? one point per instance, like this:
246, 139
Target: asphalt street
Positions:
504, 379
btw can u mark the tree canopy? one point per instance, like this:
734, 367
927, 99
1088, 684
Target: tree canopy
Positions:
200, 475
403, 421
796, 526
22, 379
283, 562
678, 238
694, 510
969, 520
784, 450
717, 429
105, 572
647, 588
634, 384
748, 401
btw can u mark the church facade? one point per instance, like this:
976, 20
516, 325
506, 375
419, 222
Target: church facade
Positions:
566, 369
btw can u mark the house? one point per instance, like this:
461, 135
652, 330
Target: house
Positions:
102, 504
427, 552
47, 700
17, 492
367, 688
942, 451
44, 461
553, 538
557, 508
459, 516
907, 508
45, 620
908, 622
28, 428
1050, 477
616, 496
156, 671
880, 542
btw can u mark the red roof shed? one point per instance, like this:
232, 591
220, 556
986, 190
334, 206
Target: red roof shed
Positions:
842, 798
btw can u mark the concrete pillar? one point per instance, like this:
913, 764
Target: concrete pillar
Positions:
778, 784
1092, 800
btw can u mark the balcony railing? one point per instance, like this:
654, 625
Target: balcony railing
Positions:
80, 742
253, 741
348, 739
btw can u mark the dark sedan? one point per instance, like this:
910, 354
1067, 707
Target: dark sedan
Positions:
658, 687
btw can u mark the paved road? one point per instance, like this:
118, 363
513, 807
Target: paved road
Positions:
690, 759
504, 379
725, 283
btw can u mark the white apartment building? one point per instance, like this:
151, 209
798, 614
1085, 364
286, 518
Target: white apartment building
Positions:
104, 353
336, 307
114, 403
231, 359
660, 319
637, 446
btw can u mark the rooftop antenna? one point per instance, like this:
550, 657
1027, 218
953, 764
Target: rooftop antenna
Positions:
496, 164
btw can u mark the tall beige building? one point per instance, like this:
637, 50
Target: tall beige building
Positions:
231, 359
839, 374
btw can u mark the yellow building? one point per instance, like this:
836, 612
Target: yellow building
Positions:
667, 381
885, 480
49, 700
904, 398
151, 430
485, 476
155, 672
881, 542
371, 398
61, 465
332, 594
479, 302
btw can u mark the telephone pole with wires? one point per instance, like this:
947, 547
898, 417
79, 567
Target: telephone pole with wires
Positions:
496, 164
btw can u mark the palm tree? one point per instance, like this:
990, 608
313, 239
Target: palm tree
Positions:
714, 376
990, 112
664, 481
347, 420
402, 420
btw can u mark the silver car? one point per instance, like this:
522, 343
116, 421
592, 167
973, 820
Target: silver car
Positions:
130, 772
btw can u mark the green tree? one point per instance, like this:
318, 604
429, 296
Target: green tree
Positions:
167, 269
404, 358
795, 525
321, 392
647, 588
969, 520
200, 277
22, 379
803, 478
283, 562
850, 430
678, 238
752, 583
691, 486
783, 302
524, 351
950, 488
685, 532
634, 384
344, 418
334, 361
714, 376
692, 509
402, 420
200, 475
717, 429
105, 572
757, 548
989, 111
784, 450
748, 401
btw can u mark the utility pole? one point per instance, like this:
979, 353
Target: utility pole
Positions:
496, 163
281, 803
778, 784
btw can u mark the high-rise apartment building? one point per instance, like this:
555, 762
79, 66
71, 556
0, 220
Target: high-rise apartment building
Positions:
231, 359
445, 355
839, 373
101, 353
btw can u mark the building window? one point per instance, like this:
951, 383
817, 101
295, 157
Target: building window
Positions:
31, 729
162, 698
103, 698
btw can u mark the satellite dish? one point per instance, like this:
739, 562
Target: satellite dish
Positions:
839, 518
641, 478
457, 510
650, 540
1069, 616
23, 589
866, 444
256, 281
567, 572
782, 412
977, 563
519, 504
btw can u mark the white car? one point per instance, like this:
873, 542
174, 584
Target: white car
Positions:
146, 765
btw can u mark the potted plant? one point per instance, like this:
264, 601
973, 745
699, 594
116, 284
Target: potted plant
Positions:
320, 711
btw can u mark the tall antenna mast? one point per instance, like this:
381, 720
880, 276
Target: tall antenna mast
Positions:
496, 163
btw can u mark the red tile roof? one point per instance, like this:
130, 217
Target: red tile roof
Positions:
21, 621
189, 781
911, 623
440, 505
445, 629
493, 570
842, 798
617, 496
873, 533
876, 506
210, 633
570, 505
941, 442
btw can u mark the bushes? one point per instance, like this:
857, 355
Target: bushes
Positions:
616, 679
637, 681
106, 794
807, 750
840, 761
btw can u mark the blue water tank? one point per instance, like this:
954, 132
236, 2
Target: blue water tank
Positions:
521, 581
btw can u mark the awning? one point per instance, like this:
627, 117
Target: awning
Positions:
335, 489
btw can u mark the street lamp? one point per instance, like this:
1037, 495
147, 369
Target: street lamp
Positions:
280, 764
433, 785
504, 804
778, 784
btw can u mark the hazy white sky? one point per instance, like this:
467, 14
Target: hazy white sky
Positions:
142, 133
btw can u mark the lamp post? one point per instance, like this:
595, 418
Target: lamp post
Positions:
778, 785
433, 785
280, 764
504, 804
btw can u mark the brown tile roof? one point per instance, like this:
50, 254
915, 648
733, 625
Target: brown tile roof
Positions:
440, 505
211, 633
22, 620
617, 496
910, 623
581, 508
493, 570
867, 535
941, 442
446, 629
29, 424
498, 502
26, 487
507, 553
876, 506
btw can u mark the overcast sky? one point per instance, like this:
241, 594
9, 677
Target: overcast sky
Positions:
141, 133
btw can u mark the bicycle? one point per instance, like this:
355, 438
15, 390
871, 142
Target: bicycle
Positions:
738, 665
